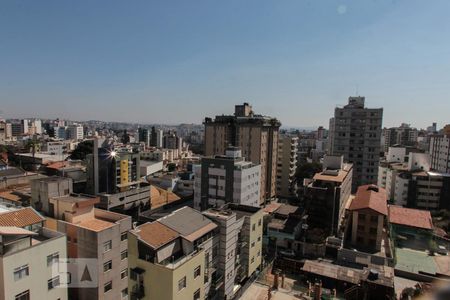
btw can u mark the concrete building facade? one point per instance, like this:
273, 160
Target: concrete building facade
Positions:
440, 153
226, 179
27, 254
255, 135
355, 133
286, 166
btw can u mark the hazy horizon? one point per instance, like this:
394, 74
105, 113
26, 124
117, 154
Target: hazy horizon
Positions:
178, 62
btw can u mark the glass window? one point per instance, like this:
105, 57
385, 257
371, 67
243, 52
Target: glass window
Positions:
124, 293
197, 272
23, 296
52, 283
123, 236
124, 254
182, 283
52, 259
107, 246
124, 274
107, 266
197, 295
21, 272
107, 287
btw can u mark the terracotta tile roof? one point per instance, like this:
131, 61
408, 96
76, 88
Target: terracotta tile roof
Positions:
272, 207
21, 217
370, 197
155, 234
410, 217
95, 224
8, 195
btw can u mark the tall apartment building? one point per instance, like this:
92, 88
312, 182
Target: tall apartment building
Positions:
94, 234
226, 179
400, 160
286, 166
144, 136
195, 256
5, 132
114, 176
255, 135
27, 254
440, 153
174, 258
240, 242
327, 194
355, 133
404, 135
74, 132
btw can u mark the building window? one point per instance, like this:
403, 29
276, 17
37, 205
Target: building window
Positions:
253, 227
373, 230
374, 218
259, 222
107, 287
52, 259
107, 246
52, 283
21, 272
182, 283
253, 259
124, 293
107, 266
259, 239
124, 274
361, 217
360, 228
23, 296
124, 254
197, 272
123, 236
197, 295
253, 244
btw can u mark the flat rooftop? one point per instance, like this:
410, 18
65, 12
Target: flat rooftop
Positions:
95, 224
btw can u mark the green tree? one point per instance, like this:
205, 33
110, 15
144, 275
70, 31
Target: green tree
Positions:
307, 170
83, 149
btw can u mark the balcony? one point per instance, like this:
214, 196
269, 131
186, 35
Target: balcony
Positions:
138, 291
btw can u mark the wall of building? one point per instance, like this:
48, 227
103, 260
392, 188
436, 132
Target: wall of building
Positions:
39, 273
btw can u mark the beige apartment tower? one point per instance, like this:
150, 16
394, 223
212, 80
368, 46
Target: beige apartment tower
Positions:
255, 135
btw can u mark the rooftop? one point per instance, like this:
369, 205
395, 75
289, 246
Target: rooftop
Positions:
188, 222
335, 176
410, 217
21, 217
155, 234
370, 197
95, 224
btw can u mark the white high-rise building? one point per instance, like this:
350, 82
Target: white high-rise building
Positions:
75, 132
440, 153
226, 179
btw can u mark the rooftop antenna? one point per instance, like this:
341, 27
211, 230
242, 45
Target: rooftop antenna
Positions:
357, 90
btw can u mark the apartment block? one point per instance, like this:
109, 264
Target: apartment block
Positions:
287, 166
114, 176
404, 135
440, 153
94, 234
355, 133
74, 132
43, 189
327, 194
27, 254
226, 179
255, 135
174, 258
368, 218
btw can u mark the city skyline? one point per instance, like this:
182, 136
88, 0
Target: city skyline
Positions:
296, 60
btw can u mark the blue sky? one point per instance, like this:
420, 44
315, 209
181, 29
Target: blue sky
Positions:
179, 61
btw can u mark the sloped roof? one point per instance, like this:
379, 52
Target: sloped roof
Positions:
410, 217
155, 234
21, 217
187, 221
370, 197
